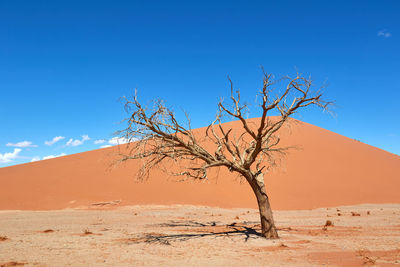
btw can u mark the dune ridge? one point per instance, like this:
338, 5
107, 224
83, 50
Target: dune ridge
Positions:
327, 170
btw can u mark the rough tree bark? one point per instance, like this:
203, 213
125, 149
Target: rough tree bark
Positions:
156, 136
268, 228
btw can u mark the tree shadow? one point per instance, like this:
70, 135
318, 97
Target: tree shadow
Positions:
198, 230
189, 223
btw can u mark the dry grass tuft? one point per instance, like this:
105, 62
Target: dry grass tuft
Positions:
87, 232
327, 224
355, 214
48, 231
282, 245
3, 238
367, 260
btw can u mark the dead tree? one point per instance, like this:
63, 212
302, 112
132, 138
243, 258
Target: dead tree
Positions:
156, 136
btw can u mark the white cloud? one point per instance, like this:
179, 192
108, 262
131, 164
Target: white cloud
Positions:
101, 141
54, 140
8, 157
384, 33
54, 156
112, 142
118, 141
77, 142
35, 159
22, 144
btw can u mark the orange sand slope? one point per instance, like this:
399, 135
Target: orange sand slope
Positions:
328, 170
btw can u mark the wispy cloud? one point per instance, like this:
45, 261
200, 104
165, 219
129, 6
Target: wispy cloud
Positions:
77, 142
37, 158
54, 156
384, 33
118, 141
22, 144
54, 140
112, 142
10, 156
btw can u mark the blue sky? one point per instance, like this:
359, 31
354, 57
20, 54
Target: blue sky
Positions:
64, 64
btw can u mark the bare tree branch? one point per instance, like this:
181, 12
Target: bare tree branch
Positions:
156, 136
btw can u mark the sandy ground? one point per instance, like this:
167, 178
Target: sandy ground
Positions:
182, 235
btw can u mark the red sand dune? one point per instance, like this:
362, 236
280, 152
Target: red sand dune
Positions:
328, 170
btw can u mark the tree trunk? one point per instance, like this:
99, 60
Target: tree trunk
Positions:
268, 229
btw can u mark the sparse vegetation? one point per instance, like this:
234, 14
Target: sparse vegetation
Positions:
367, 260
327, 224
11, 263
3, 238
86, 231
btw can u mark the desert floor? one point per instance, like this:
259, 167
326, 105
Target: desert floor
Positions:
181, 235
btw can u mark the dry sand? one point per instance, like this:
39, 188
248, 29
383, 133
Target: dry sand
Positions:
104, 218
328, 170
183, 235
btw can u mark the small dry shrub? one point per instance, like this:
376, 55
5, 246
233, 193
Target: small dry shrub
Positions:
87, 232
3, 238
327, 224
367, 260
11, 263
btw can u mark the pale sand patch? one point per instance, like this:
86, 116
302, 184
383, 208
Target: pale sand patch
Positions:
183, 235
